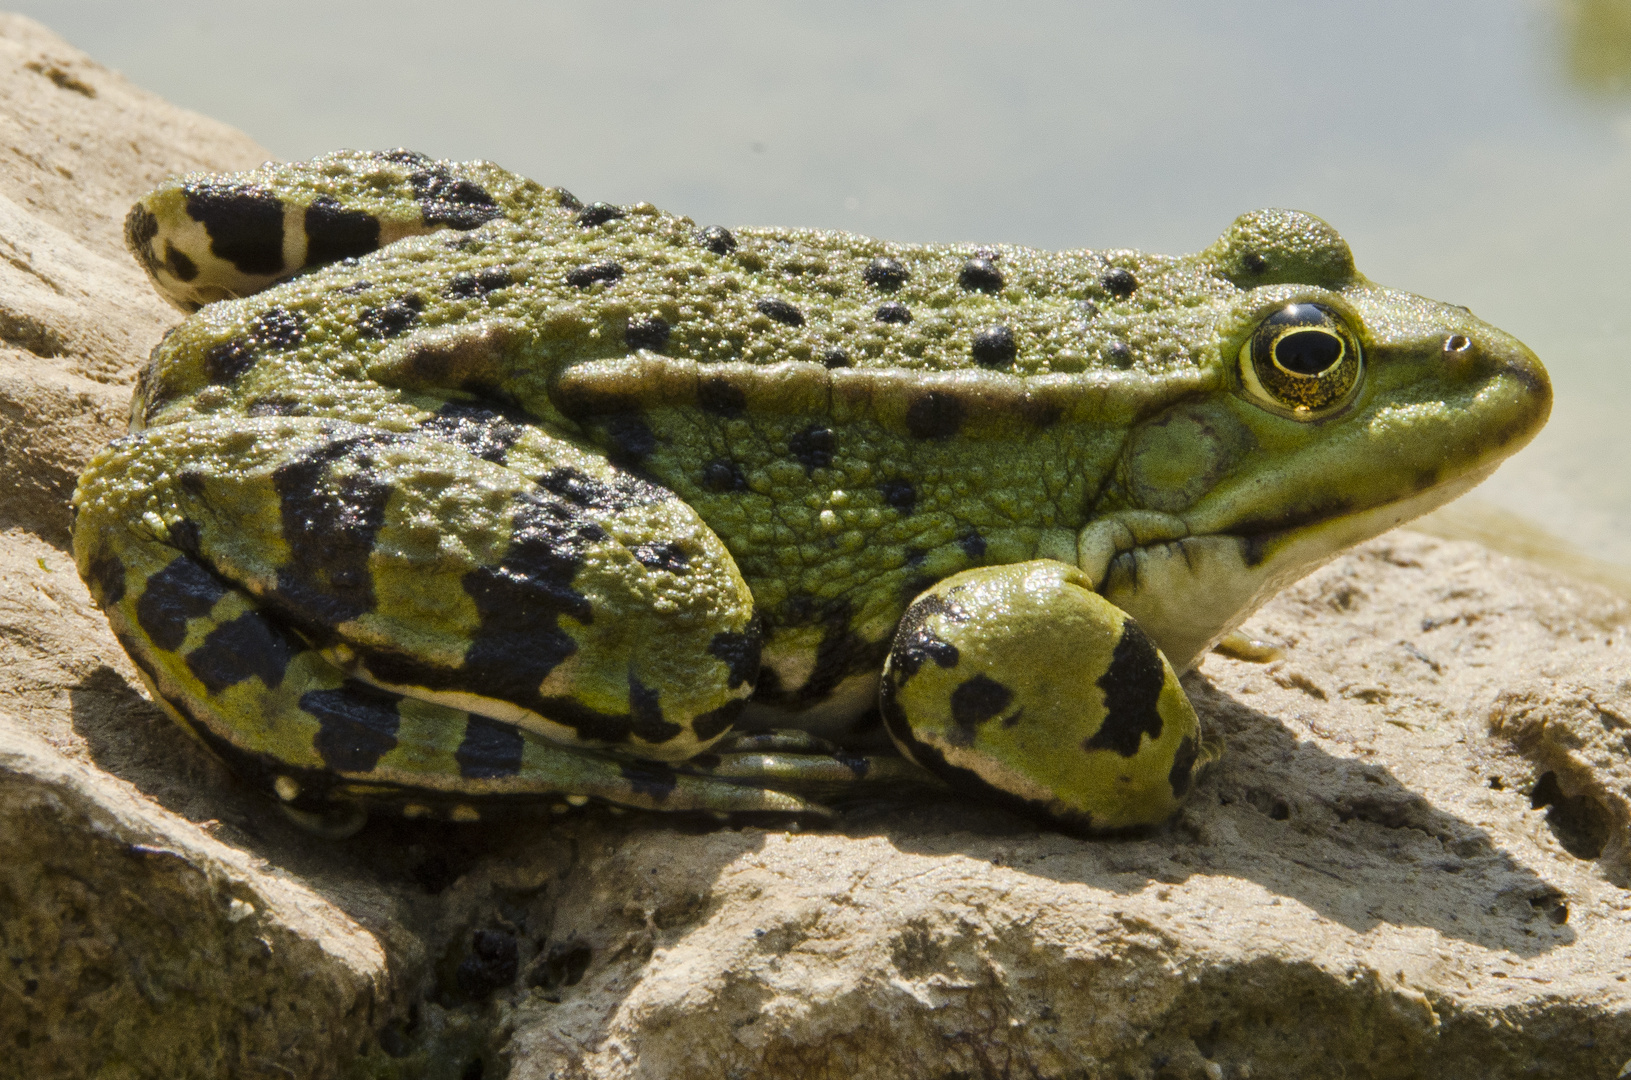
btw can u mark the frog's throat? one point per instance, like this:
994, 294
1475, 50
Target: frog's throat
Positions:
1188, 592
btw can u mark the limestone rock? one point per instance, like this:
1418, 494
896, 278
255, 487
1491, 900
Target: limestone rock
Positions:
1409, 861
78, 143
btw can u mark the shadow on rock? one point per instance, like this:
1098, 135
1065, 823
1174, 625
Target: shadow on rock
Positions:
1342, 836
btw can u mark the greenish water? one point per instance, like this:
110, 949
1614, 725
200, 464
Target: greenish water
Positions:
1477, 151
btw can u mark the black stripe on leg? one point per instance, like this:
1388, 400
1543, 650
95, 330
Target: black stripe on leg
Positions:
1132, 693
357, 725
181, 591
490, 749
244, 222
250, 645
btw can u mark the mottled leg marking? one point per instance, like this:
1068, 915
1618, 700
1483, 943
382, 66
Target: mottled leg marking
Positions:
296, 726
553, 592
1019, 683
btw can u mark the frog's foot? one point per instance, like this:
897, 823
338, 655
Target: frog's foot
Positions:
206, 237
1020, 682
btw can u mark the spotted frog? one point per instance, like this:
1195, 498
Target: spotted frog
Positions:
457, 493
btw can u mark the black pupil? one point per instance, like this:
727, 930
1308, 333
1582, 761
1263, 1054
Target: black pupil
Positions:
1307, 352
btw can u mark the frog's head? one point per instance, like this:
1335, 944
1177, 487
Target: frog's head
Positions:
1338, 410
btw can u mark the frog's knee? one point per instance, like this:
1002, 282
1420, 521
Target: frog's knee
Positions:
1019, 681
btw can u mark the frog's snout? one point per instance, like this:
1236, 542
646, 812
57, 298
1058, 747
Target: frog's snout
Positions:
1514, 376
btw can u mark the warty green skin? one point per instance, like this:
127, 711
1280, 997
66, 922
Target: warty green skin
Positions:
745, 478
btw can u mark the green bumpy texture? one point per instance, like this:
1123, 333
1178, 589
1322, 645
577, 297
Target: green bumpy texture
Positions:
479, 494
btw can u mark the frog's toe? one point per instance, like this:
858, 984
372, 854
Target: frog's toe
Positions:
1022, 683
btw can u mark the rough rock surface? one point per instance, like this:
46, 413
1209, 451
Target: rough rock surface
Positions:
1409, 861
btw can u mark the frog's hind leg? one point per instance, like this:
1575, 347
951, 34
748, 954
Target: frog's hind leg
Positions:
251, 564
294, 725
206, 237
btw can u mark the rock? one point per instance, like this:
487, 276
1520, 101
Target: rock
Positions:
1408, 862
77, 144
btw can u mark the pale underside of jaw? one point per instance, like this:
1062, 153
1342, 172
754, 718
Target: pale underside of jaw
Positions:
1188, 593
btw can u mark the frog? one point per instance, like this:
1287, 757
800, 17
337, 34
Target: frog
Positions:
455, 495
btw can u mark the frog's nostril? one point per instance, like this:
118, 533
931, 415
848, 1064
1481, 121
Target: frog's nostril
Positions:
1457, 343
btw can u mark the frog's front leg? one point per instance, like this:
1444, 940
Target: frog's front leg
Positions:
1019, 682
348, 611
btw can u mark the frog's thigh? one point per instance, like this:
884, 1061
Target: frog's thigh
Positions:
1020, 681
571, 599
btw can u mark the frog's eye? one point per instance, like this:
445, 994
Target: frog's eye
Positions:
1303, 359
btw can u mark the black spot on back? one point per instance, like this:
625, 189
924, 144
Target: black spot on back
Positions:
973, 544
585, 276
401, 155
250, 645
485, 432
490, 749
647, 332
717, 239
977, 699
899, 494
444, 200
934, 415
278, 328
599, 213
719, 397
622, 493
994, 346
1132, 690
181, 591
893, 312
980, 275
357, 724
885, 274
835, 358
467, 285
391, 319
1119, 282
334, 233
780, 310
813, 447
226, 360
244, 222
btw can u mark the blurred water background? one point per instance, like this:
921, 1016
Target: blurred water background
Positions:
1477, 151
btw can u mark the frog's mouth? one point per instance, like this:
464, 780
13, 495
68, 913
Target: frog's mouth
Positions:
1188, 593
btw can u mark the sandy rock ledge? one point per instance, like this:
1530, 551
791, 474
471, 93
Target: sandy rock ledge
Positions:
1411, 861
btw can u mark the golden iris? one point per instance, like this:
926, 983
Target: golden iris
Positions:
1303, 358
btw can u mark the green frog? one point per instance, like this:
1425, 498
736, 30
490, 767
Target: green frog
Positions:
456, 492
